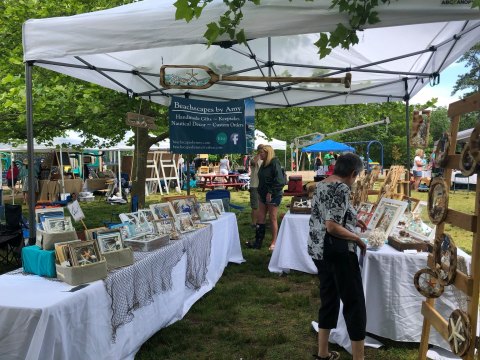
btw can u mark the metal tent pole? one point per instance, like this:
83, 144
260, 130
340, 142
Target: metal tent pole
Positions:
407, 131
31, 168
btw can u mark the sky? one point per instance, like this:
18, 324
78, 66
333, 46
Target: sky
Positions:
442, 91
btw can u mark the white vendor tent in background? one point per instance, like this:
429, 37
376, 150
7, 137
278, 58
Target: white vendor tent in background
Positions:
123, 49
261, 138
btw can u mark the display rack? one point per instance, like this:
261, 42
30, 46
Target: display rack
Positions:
468, 284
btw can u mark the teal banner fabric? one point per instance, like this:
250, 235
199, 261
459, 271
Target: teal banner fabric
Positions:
209, 127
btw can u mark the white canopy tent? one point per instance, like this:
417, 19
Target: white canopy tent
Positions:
123, 49
261, 138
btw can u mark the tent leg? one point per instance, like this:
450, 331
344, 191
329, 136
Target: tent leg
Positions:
31, 179
407, 131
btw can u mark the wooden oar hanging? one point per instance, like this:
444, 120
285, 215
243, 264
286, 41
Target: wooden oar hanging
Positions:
202, 77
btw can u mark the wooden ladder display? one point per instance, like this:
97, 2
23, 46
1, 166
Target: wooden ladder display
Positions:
469, 285
389, 186
152, 181
169, 169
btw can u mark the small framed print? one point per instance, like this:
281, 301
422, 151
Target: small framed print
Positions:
186, 204
91, 234
419, 225
364, 216
56, 225
148, 214
438, 200
124, 229
137, 223
441, 151
206, 212
62, 252
110, 240
164, 226
184, 222
413, 202
366, 207
217, 205
162, 210
387, 215
84, 253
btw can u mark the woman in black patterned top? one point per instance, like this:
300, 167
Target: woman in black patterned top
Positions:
332, 245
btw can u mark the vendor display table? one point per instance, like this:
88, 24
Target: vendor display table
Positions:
41, 319
50, 189
393, 303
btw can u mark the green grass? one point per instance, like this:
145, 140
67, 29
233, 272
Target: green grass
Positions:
254, 314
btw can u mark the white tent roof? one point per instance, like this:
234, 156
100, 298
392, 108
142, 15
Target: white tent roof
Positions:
123, 49
261, 138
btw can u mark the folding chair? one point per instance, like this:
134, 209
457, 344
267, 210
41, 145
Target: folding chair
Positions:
11, 235
225, 196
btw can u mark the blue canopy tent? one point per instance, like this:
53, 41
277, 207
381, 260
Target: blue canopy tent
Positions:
328, 145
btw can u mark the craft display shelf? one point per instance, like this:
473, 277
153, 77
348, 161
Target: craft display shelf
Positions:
469, 285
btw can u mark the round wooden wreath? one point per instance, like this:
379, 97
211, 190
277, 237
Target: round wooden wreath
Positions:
441, 151
459, 330
468, 164
475, 142
427, 283
437, 205
445, 256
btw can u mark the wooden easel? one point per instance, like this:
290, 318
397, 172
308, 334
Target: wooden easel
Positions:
469, 285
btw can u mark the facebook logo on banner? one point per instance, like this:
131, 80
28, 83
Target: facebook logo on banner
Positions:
234, 138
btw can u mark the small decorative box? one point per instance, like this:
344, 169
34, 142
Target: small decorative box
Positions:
147, 242
47, 241
118, 258
76, 275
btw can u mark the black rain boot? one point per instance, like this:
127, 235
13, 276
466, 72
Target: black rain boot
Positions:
259, 235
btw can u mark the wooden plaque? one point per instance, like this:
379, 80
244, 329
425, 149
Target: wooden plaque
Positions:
139, 120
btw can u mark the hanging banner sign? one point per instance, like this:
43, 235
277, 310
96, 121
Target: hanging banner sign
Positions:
138, 120
207, 126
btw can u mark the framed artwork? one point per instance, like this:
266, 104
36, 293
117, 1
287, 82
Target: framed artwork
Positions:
366, 207
387, 215
474, 142
49, 215
438, 200
418, 224
184, 222
420, 129
468, 164
185, 204
110, 240
413, 202
58, 212
148, 214
217, 205
56, 225
364, 216
445, 257
427, 283
62, 252
136, 222
162, 210
84, 253
206, 212
459, 330
441, 151
124, 229
165, 226
91, 234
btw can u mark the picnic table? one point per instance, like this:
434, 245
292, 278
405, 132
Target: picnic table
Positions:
212, 181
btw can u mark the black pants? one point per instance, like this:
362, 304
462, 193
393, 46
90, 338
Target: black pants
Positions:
340, 279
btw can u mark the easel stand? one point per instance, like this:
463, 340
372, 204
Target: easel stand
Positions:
469, 285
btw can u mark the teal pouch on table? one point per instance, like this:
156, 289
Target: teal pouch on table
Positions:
39, 262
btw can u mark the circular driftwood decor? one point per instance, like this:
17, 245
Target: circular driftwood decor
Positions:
445, 256
475, 142
468, 164
427, 283
437, 200
459, 330
441, 151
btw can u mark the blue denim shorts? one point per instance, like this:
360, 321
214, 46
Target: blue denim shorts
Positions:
275, 200
417, 173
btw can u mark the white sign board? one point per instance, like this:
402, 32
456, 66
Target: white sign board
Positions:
76, 211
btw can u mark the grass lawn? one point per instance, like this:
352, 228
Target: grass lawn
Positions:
251, 313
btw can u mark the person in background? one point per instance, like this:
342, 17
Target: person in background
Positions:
329, 158
332, 244
318, 162
24, 178
12, 175
418, 166
255, 163
224, 166
270, 190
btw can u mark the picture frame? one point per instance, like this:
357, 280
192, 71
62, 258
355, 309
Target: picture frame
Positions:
366, 207
124, 229
137, 223
39, 212
387, 215
165, 226
42, 217
206, 212
218, 207
110, 240
364, 216
437, 200
84, 253
419, 225
185, 204
184, 222
91, 234
162, 210
441, 151
58, 225
62, 252
413, 202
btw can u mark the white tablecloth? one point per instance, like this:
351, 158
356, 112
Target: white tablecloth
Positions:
393, 303
39, 319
